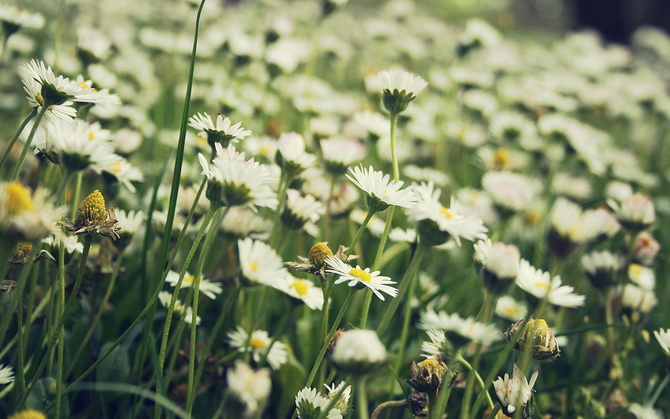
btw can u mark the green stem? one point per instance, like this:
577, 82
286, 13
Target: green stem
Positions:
407, 315
409, 276
659, 390
479, 380
26, 146
175, 295
75, 196
494, 412
284, 180
444, 392
361, 397
63, 312
10, 146
196, 292
394, 122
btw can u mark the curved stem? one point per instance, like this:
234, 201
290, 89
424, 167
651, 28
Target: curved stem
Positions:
477, 377
400, 404
10, 146
26, 146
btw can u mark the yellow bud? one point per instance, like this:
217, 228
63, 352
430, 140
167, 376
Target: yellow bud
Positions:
92, 210
318, 254
19, 199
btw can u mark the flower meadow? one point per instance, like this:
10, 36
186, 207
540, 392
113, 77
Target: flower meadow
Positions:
322, 209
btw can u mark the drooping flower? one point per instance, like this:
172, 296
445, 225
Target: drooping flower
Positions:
514, 392
373, 280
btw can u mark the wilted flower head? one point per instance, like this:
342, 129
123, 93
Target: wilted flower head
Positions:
358, 352
537, 335
94, 218
399, 88
427, 375
514, 392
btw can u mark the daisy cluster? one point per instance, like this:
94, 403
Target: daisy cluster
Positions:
324, 192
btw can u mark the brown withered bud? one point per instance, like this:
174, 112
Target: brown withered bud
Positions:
427, 376
418, 402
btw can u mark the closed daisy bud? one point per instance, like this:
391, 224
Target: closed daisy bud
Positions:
399, 88
94, 218
427, 376
537, 334
645, 248
301, 209
359, 352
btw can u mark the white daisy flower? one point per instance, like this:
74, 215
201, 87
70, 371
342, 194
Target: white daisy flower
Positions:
301, 209
25, 215
644, 411
460, 330
243, 222
303, 290
343, 403
399, 88
645, 248
69, 143
250, 387
260, 263
637, 299
380, 189
642, 276
571, 226
663, 338
13, 19
358, 352
514, 392
310, 404
208, 288
600, 267
59, 238
165, 298
339, 153
541, 285
510, 309
377, 283
374, 123
438, 348
511, 191
6, 375
294, 158
636, 211
450, 222
223, 131
121, 169
236, 181
59, 93
260, 345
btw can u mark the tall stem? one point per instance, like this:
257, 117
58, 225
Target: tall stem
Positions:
26, 146
281, 196
361, 398
10, 146
394, 122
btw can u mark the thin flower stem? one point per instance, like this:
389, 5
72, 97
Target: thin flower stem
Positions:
284, 180
361, 397
393, 118
327, 219
494, 411
76, 194
26, 146
407, 315
98, 315
393, 404
10, 146
409, 276
206, 247
444, 392
175, 295
20, 373
659, 390
63, 311
336, 398
61, 193
477, 377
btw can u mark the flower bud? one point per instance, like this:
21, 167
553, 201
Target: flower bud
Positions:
427, 376
318, 254
537, 334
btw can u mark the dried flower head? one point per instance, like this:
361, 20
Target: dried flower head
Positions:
94, 218
536, 333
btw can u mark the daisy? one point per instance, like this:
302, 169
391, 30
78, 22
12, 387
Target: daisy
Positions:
6, 375
541, 285
13, 19
571, 226
242, 222
234, 181
437, 223
251, 388
310, 404
510, 309
260, 263
358, 352
644, 411
165, 298
59, 238
511, 191
663, 338
121, 170
339, 153
129, 223
601, 267
25, 215
438, 347
635, 212
294, 158
645, 248
499, 262
343, 403
381, 191
642, 276
636, 299
301, 209
514, 392
373, 123
460, 330
69, 144
223, 132
302, 290
399, 88
377, 283
208, 288
260, 345
57, 93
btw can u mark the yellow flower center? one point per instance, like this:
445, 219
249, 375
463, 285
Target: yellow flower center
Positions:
253, 266
300, 287
446, 212
360, 274
117, 166
92, 208
544, 285
19, 199
257, 343
501, 158
635, 269
189, 279
510, 311
91, 135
